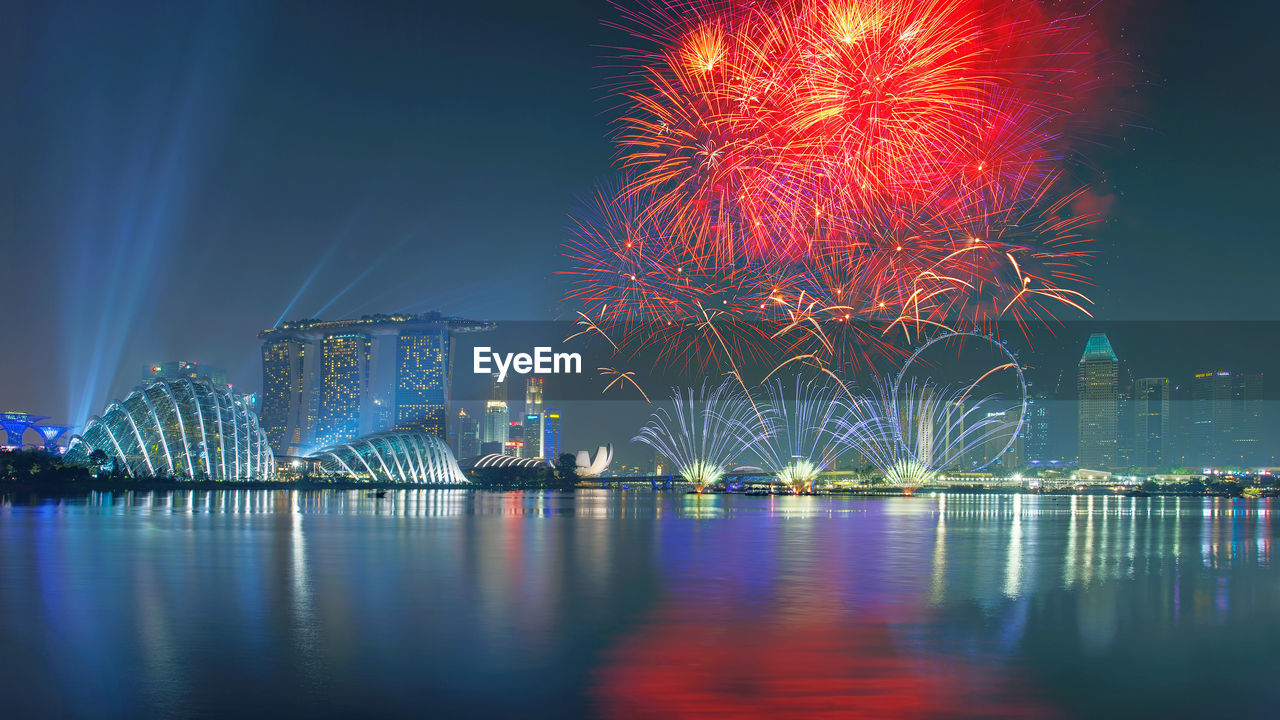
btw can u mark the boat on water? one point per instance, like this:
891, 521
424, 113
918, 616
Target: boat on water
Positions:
377, 493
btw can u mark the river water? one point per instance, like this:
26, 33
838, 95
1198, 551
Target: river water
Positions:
636, 604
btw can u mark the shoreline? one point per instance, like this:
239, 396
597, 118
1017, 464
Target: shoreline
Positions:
77, 489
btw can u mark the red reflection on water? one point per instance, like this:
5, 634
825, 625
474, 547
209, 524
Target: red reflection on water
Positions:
678, 666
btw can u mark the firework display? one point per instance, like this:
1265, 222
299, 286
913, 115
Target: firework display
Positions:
797, 443
703, 431
801, 176
912, 431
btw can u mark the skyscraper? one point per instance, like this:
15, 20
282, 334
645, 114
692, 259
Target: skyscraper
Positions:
344, 388
407, 369
283, 401
1151, 421
533, 436
1248, 438
468, 434
1096, 392
423, 360
515, 440
1226, 418
551, 434
497, 419
533, 396
1035, 429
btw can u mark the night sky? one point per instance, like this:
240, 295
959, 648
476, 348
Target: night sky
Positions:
177, 176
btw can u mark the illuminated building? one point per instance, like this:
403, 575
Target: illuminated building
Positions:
285, 409
1151, 420
497, 460
551, 434
1097, 389
345, 401
183, 428
312, 398
401, 456
16, 424
533, 417
467, 431
422, 379
1035, 431
533, 396
515, 440
497, 423
990, 452
533, 435
1226, 418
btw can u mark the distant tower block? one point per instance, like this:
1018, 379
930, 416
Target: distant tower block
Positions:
51, 433
15, 425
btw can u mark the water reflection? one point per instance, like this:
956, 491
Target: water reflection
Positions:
635, 604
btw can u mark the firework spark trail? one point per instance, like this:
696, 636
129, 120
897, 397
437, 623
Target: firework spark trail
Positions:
703, 432
620, 377
911, 433
797, 445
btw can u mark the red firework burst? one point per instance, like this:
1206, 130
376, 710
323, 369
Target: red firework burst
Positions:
801, 162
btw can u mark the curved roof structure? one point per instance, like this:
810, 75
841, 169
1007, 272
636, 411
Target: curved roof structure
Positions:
182, 427
400, 456
500, 461
589, 466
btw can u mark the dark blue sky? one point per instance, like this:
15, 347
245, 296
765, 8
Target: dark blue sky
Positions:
172, 174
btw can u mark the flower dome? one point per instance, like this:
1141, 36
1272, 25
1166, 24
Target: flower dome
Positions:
183, 428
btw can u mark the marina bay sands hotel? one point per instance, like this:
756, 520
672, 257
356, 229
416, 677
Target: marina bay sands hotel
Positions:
324, 382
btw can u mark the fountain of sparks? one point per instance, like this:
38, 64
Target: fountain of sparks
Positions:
911, 432
796, 445
704, 431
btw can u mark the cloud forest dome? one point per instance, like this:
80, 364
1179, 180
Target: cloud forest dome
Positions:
185, 428
402, 456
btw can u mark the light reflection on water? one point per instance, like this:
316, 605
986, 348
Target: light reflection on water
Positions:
636, 604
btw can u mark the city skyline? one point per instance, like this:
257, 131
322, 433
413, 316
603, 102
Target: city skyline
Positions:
639, 358
314, 243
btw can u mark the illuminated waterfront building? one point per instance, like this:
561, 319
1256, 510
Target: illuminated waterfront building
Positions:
1226, 418
551, 434
533, 435
1035, 432
285, 407
185, 428
422, 379
1097, 389
312, 392
345, 400
404, 455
